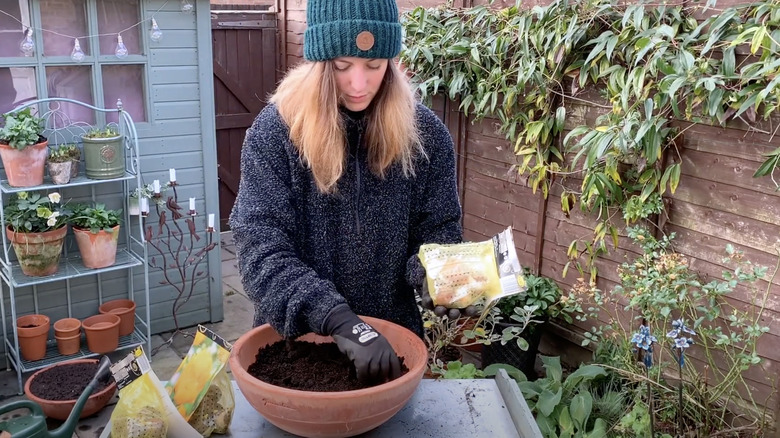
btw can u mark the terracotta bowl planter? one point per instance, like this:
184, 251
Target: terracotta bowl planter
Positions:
125, 310
60, 409
32, 330
329, 414
102, 332
66, 327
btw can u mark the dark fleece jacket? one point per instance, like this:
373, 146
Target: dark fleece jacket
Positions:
301, 252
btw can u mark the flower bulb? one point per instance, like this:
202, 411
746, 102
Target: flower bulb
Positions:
27, 46
186, 6
121, 50
77, 55
156, 34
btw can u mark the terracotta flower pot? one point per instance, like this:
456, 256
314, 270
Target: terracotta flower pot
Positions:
60, 409
67, 327
38, 253
102, 332
125, 310
24, 168
98, 250
32, 330
329, 414
68, 345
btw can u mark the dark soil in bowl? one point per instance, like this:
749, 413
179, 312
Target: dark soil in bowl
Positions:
67, 381
308, 366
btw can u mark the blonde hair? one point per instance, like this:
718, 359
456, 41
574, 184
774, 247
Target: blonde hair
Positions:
307, 100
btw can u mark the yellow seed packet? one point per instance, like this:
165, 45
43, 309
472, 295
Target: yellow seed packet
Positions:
207, 356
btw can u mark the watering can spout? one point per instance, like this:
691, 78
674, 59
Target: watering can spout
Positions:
67, 428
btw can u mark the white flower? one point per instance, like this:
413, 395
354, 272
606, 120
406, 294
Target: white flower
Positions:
54, 197
52, 221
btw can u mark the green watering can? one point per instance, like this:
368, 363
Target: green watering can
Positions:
34, 425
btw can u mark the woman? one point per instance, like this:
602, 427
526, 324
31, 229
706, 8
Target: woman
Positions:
343, 177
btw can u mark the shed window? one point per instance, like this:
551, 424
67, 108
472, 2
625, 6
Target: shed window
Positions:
50, 70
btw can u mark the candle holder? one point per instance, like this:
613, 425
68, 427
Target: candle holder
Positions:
180, 250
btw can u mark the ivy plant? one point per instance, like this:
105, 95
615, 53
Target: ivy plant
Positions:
640, 66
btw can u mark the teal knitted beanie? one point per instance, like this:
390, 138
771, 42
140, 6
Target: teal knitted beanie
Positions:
359, 28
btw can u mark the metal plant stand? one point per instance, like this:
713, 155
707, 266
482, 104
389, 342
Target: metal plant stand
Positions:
131, 253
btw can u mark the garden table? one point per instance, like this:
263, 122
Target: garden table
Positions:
438, 409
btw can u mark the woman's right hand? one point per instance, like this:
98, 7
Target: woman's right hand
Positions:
374, 358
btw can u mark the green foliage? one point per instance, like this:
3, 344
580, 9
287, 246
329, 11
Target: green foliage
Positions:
649, 65
95, 218
659, 287
547, 298
636, 423
457, 370
63, 153
35, 213
106, 132
564, 408
21, 129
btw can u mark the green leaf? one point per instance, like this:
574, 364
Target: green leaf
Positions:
548, 400
581, 406
674, 177
729, 62
649, 108
767, 166
560, 118
565, 423
758, 39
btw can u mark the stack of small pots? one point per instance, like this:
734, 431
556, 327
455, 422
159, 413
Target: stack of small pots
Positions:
67, 332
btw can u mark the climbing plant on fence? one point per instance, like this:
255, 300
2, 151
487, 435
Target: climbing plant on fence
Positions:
650, 65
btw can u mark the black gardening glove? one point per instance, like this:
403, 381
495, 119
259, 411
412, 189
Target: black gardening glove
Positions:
452, 313
370, 352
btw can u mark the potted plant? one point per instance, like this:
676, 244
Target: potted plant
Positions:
524, 317
36, 226
146, 192
104, 153
97, 233
23, 148
59, 164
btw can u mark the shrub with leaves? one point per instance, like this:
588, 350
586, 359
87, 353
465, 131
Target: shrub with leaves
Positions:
659, 290
641, 66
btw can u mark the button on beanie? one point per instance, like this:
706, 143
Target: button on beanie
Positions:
359, 28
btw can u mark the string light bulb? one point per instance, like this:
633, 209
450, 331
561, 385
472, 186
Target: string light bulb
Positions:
77, 55
156, 34
27, 46
121, 50
186, 6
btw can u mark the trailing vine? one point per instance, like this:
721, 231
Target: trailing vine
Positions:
650, 65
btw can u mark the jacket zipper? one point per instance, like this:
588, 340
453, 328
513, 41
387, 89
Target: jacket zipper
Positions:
357, 178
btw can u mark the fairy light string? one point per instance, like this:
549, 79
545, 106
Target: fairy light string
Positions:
27, 44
